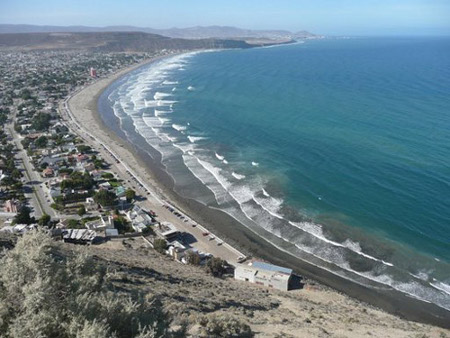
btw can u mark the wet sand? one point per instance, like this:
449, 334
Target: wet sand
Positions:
84, 106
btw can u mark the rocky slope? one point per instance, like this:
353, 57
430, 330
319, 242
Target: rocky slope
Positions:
187, 292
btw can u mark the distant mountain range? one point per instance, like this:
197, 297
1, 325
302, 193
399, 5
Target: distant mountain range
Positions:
198, 32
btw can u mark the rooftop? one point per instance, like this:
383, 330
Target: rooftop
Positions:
271, 267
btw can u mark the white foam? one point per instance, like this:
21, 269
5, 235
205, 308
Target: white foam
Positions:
158, 96
190, 88
237, 176
163, 120
166, 82
265, 193
255, 164
270, 204
194, 139
441, 286
225, 162
219, 157
179, 127
161, 112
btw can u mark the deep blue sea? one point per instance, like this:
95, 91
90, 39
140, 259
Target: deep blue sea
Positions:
335, 150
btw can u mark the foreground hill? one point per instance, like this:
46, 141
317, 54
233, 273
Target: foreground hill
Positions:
109, 42
196, 303
198, 32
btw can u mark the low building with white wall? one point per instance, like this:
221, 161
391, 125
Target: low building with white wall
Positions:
264, 274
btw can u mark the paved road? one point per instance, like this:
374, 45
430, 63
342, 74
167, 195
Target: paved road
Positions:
210, 243
39, 196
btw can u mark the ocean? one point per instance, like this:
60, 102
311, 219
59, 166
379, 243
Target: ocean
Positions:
337, 151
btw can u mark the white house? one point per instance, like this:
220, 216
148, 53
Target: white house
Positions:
265, 274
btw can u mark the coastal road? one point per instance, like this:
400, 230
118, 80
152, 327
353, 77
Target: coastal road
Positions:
126, 167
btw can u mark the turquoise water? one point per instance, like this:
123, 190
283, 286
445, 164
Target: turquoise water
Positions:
337, 151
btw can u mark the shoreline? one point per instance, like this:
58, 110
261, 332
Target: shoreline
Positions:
86, 113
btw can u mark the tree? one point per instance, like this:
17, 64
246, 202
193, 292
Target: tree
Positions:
105, 198
41, 122
45, 292
16, 174
193, 258
44, 220
74, 224
121, 224
160, 245
17, 127
81, 211
216, 266
23, 216
82, 148
130, 194
41, 142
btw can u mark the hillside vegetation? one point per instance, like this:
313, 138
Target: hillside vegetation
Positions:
124, 289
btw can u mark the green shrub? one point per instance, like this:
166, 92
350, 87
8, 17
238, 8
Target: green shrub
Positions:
224, 326
160, 245
46, 293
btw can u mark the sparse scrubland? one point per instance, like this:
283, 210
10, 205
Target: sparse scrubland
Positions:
124, 289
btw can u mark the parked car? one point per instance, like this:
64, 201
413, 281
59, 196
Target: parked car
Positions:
241, 259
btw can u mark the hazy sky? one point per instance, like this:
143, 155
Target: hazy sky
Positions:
331, 17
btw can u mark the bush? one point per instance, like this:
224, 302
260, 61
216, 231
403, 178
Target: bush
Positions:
216, 266
41, 142
46, 293
130, 194
44, 220
74, 224
122, 225
193, 258
57, 206
224, 326
160, 245
105, 198
81, 211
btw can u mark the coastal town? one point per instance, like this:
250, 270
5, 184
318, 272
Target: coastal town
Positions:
58, 177
72, 183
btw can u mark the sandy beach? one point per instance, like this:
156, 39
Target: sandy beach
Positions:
88, 123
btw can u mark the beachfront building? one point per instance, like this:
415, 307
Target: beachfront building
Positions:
264, 274
139, 219
167, 231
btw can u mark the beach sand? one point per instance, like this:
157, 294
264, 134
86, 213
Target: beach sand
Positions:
83, 106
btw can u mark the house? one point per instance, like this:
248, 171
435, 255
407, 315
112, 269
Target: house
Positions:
105, 222
89, 167
167, 231
55, 192
48, 172
111, 232
139, 218
265, 274
120, 191
79, 236
19, 229
177, 250
82, 158
11, 206
90, 203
